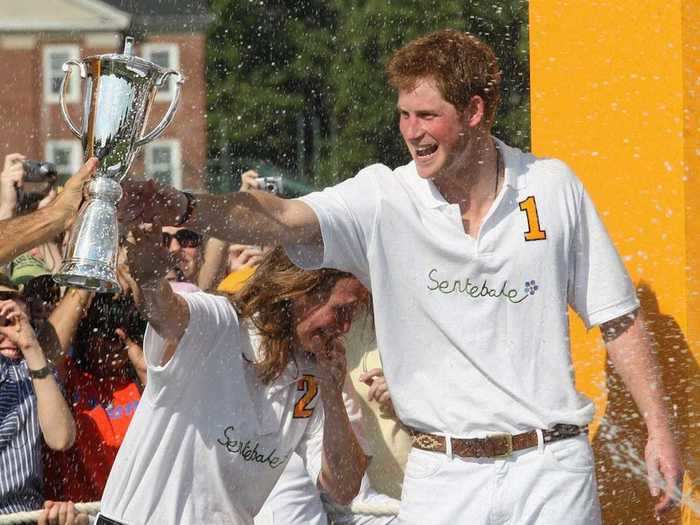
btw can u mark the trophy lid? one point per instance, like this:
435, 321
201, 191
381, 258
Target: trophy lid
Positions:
136, 64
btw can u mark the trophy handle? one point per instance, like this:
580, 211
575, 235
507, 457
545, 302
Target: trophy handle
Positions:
62, 95
156, 132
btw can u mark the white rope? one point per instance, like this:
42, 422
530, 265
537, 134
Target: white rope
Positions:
390, 508
32, 516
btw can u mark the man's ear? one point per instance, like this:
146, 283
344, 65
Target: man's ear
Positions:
475, 112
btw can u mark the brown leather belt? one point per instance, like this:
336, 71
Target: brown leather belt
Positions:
495, 446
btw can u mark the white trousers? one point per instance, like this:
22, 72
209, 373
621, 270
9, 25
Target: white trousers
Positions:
547, 485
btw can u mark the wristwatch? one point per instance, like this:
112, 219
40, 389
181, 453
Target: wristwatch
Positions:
41, 373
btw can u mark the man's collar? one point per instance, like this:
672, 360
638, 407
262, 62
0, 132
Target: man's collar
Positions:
431, 197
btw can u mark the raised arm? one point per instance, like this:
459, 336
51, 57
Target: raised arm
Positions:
56, 336
629, 350
252, 217
19, 234
165, 310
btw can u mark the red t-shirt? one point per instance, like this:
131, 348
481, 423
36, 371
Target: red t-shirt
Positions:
102, 408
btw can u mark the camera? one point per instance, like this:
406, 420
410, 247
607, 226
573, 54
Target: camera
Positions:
270, 184
39, 177
39, 171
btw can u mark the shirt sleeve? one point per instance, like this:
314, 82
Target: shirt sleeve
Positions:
600, 288
346, 214
212, 318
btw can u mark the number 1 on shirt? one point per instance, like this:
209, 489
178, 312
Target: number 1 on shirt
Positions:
534, 231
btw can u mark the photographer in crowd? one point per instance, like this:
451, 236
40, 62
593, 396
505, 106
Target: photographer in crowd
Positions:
24, 232
32, 407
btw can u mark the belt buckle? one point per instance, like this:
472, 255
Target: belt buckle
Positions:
508, 439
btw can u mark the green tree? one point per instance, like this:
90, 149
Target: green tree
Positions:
267, 68
302, 84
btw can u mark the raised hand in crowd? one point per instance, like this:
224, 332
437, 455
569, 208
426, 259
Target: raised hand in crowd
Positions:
249, 181
378, 388
11, 178
244, 256
19, 234
62, 513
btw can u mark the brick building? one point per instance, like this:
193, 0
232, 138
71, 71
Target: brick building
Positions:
38, 36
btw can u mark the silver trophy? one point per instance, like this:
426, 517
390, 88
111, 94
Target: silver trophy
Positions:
119, 92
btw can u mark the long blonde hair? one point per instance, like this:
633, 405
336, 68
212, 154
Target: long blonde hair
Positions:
267, 300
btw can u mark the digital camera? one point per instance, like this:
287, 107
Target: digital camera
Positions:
39, 177
270, 184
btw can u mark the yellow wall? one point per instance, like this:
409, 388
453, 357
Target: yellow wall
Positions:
612, 93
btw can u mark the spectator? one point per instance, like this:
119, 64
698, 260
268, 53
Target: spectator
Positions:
31, 407
185, 247
22, 233
103, 385
20, 197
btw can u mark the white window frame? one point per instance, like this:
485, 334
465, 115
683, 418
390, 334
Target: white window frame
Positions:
72, 91
175, 157
75, 153
173, 51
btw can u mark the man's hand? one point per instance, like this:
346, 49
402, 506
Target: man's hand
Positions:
62, 513
244, 256
148, 259
664, 470
68, 201
249, 182
332, 365
151, 202
14, 324
11, 178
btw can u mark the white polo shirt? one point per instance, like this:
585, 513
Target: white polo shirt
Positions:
208, 440
474, 332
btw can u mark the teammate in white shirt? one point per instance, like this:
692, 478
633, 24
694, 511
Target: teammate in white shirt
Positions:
473, 253
233, 391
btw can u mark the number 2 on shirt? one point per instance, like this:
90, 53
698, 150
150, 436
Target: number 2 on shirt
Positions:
534, 231
309, 386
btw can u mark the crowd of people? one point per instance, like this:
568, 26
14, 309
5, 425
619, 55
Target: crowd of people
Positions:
99, 371
214, 387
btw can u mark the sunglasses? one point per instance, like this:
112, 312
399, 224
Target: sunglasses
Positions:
6, 296
185, 238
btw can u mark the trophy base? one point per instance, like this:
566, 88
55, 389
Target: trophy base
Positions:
91, 275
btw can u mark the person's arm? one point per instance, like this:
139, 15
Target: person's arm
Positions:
630, 351
56, 336
165, 310
55, 418
344, 461
135, 353
19, 234
254, 217
213, 268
